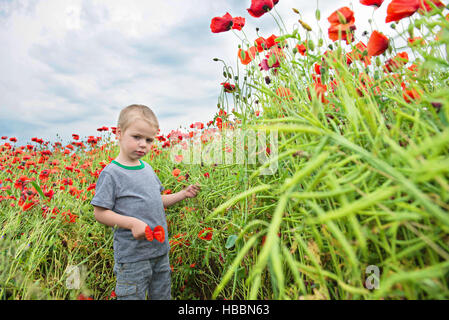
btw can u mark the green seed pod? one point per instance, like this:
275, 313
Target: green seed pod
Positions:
320, 42
390, 49
393, 26
310, 45
341, 17
305, 25
378, 62
317, 14
410, 30
418, 23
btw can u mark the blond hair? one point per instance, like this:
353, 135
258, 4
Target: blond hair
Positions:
136, 111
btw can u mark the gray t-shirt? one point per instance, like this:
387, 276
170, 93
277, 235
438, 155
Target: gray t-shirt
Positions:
136, 192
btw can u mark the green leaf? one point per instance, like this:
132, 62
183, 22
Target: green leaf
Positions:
38, 189
231, 241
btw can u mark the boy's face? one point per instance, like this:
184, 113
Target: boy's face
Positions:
136, 140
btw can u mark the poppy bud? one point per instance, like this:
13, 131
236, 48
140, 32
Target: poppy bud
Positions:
295, 10
318, 14
215, 59
437, 106
305, 25
267, 80
310, 45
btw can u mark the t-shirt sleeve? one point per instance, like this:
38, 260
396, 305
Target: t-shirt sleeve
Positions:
104, 192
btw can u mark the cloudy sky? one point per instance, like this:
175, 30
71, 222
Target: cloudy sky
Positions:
69, 66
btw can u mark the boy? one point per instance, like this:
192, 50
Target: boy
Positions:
128, 195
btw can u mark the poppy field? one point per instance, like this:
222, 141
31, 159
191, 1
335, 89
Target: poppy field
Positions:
358, 207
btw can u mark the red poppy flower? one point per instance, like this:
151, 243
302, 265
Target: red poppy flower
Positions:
69, 217
226, 23
284, 93
395, 63
416, 41
238, 23
159, 233
410, 95
375, 3
399, 9
343, 15
247, 56
358, 54
259, 7
261, 44
176, 172
301, 49
205, 234
271, 41
28, 205
342, 25
228, 87
377, 44
427, 6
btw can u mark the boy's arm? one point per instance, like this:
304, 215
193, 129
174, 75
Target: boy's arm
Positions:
171, 199
189, 192
112, 219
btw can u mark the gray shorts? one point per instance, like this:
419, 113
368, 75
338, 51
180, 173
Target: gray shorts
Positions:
146, 279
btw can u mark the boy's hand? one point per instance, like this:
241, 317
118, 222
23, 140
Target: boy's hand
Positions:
191, 191
138, 229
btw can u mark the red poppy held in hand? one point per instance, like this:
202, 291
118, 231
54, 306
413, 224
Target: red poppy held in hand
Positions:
148, 233
159, 233
377, 44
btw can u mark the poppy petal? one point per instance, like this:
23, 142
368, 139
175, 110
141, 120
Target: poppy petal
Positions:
377, 44
159, 233
148, 233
